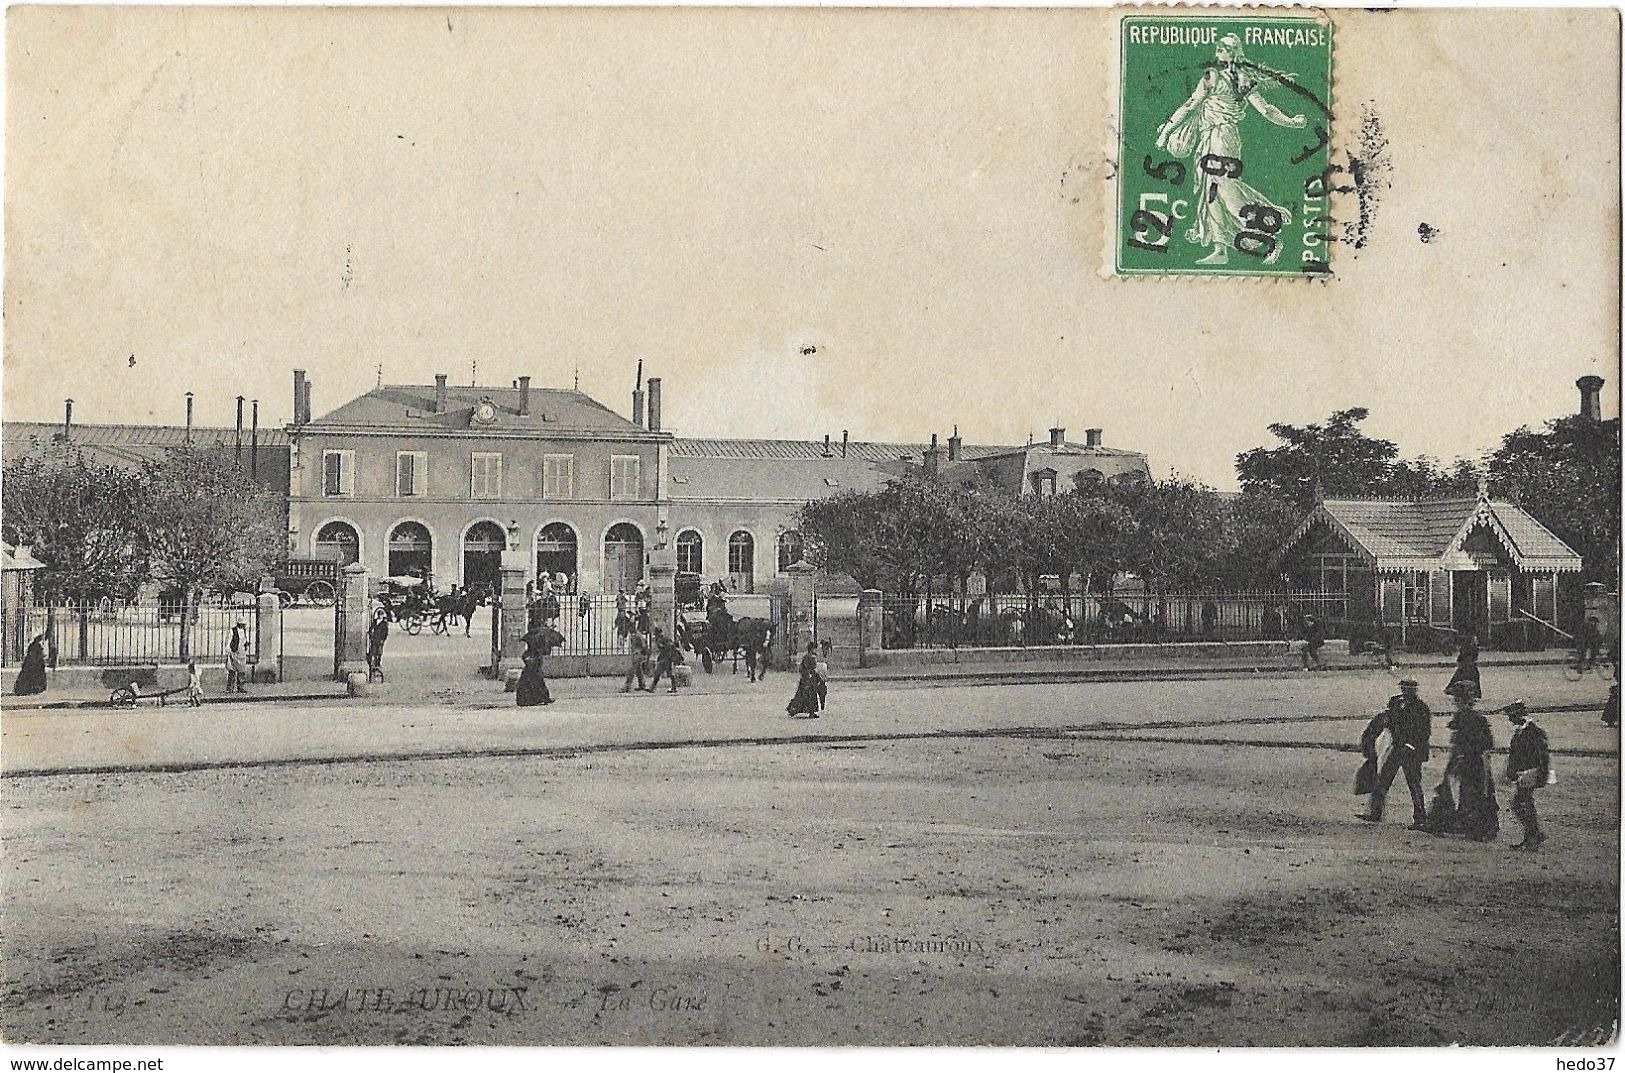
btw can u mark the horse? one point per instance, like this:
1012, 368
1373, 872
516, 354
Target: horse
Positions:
721, 636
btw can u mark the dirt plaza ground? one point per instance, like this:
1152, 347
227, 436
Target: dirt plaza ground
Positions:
1122, 864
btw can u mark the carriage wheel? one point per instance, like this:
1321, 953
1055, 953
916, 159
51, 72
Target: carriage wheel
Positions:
413, 625
284, 598
320, 593
123, 697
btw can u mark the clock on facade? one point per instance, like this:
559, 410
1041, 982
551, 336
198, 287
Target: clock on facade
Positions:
485, 412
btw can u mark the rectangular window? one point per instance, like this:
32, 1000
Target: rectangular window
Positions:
623, 477
1439, 584
411, 473
338, 473
1500, 585
1544, 597
558, 476
487, 475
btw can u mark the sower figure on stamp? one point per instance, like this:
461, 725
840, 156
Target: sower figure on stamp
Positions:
1529, 767
1409, 724
1207, 130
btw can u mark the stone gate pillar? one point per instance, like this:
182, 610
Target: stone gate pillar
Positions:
515, 615
268, 634
351, 641
803, 592
871, 623
663, 597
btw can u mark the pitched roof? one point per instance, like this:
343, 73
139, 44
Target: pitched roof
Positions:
126, 445
396, 406
866, 450
786, 479
1421, 534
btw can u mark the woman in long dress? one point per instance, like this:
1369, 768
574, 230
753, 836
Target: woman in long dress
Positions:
805, 702
1207, 127
31, 679
1471, 742
1467, 665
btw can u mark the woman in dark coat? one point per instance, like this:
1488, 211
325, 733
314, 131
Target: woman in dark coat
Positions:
1467, 666
532, 685
1477, 811
805, 702
32, 678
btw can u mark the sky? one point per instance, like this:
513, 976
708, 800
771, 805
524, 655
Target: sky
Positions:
803, 221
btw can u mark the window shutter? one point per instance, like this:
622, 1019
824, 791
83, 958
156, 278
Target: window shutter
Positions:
1439, 593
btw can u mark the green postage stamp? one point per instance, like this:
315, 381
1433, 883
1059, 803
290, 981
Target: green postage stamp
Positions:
1223, 145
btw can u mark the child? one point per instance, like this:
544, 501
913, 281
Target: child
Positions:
822, 670
1529, 767
194, 685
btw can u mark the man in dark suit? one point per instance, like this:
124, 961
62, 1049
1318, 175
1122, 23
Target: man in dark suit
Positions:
1529, 768
1409, 724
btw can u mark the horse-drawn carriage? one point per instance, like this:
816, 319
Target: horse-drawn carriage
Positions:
720, 635
315, 581
412, 603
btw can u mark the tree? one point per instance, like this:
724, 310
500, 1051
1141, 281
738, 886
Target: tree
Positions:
1336, 454
1568, 477
1256, 524
1177, 530
204, 525
80, 519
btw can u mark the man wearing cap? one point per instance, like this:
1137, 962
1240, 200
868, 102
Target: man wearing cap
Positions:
1529, 767
237, 670
1409, 723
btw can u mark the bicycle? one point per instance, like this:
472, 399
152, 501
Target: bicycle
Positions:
1576, 666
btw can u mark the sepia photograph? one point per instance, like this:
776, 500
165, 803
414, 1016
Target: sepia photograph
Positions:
810, 527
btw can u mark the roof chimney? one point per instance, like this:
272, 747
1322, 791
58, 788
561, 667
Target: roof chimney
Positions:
843, 443
299, 396
67, 419
237, 444
1057, 437
307, 401
826, 445
654, 404
440, 392
933, 458
1091, 437
1590, 397
637, 397
188, 417
524, 396
955, 446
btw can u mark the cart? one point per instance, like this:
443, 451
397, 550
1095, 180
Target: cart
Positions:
314, 581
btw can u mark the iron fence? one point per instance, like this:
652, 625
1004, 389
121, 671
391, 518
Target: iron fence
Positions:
592, 624
99, 633
1029, 619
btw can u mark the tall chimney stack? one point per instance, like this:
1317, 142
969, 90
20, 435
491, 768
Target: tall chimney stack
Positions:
440, 392
637, 397
843, 443
524, 396
1091, 437
237, 444
1590, 397
827, 452
654, 404
1057, 437
956, 446
67, 419
933, 458
298, 397
254, 444
188, 417
306, 419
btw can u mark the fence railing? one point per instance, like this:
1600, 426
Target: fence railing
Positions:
592, 624
97, 633
1020, 619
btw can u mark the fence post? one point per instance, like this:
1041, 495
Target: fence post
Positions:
803, 592
352, 638
514, 617
268, 628
871, 624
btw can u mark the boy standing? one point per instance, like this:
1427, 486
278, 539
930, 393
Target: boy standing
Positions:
1529, 766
